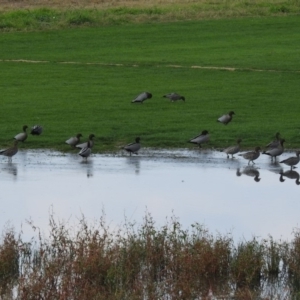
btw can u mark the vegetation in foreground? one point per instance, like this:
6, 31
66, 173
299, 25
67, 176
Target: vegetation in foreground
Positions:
44, 14
146, 262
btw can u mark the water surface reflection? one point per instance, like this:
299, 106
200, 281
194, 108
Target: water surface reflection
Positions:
196, 186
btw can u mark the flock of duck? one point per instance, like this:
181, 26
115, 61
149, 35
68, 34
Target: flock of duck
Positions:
273, 149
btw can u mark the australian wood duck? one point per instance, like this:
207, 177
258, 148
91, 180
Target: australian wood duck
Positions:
276, 151
251, 155
201, 138
73, 141
292, 161
10, 152
225, 119
86, 151
142, 97
133, 147
21, 137
36, 130
174, 97
233, 149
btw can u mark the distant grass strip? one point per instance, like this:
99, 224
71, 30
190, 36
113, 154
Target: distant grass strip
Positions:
145, 261
52, 16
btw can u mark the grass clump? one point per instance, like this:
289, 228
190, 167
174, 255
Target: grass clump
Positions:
145, 261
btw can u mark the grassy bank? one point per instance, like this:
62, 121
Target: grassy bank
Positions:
84, 80
145, 261
44, 15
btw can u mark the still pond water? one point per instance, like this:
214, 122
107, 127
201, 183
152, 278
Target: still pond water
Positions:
223, 194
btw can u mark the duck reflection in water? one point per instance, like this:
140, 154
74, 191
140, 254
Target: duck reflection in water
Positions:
88, 167
11, 168
291, 174
249, 171
135, 163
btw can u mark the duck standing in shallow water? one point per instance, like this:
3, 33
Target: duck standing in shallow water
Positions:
133, 147
233, 149
225, 119
10, 152
276, 151
142, 97
201, 138
86, 151
292, 161
73, 141
174, 97
21, 137
251, 155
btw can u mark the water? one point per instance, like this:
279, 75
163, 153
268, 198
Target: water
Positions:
195, 186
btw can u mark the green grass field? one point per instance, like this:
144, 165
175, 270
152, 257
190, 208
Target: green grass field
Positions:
93, 94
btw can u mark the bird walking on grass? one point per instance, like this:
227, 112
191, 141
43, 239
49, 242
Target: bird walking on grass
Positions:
233, 149
36, 130
142, 97
10, 152
21, 137
83, 145
251, 155
174, 97
225, 119
133, 147
292, 161
201, 138
73, 141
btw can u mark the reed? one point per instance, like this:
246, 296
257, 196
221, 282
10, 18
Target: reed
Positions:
134, 261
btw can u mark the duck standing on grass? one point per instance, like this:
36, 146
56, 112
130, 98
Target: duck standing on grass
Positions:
233, 149
10, 152
91, 137
174, 97
225, 119
200, 139
36, 130
21, 137
251, 155
142, 97
292, 161
133, 147
86, 151
73, 141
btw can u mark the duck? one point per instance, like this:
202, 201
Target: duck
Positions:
292, 161
86, 151
225, 119
174, 97
10, 152
73, 141
133, 147
91, 137
274, 143
36, 130
233, 149
251, 155
276, 151
291, 174
142, 97
21, 137
201, 138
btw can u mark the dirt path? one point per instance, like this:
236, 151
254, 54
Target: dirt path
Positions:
135, 65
